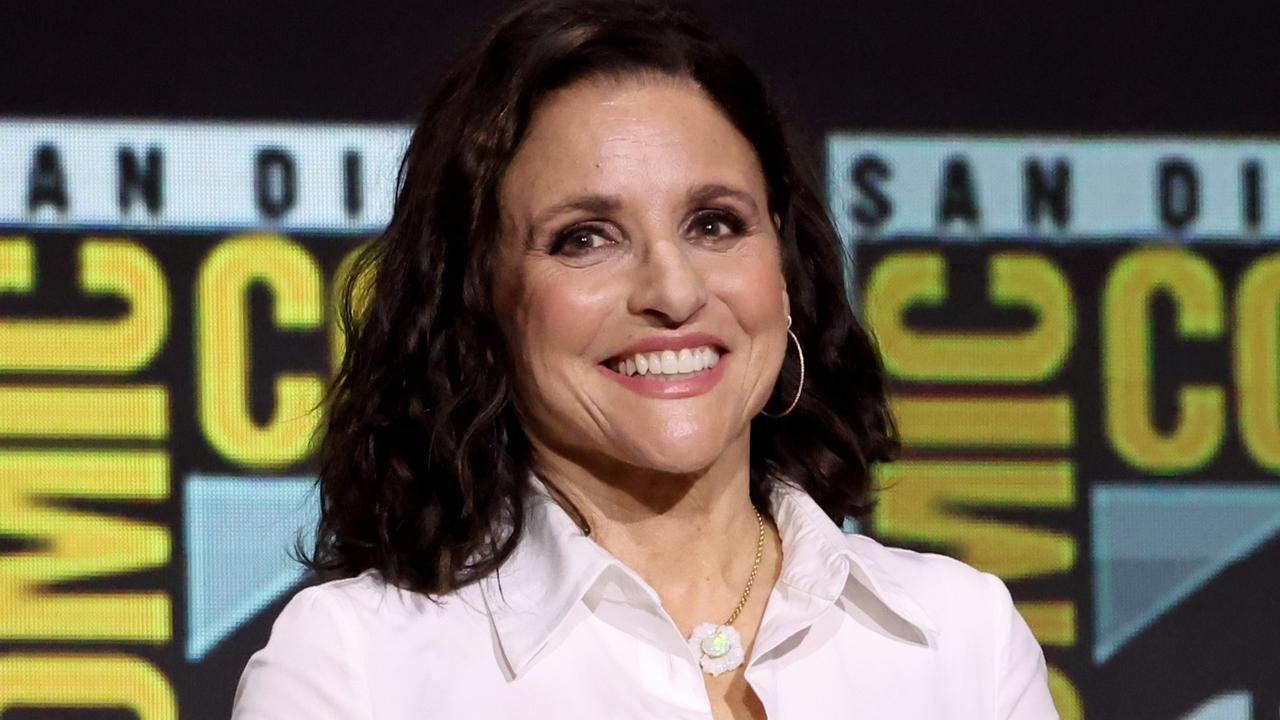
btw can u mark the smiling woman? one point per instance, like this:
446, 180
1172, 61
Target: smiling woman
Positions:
603, 406
666, 247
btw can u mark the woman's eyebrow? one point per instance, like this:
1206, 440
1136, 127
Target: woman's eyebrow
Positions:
714, 191
592, 203
599, 204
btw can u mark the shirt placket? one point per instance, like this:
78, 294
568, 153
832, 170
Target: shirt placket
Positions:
669, 669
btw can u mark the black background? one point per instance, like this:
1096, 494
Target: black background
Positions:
1072, 67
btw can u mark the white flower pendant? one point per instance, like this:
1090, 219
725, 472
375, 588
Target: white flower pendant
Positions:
718, 647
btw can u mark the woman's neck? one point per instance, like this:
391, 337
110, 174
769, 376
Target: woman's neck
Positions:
690, 536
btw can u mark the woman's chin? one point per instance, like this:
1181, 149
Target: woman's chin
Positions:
680, 455
679, 466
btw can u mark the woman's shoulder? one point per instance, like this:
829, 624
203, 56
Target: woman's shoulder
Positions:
949, 591
914, 569
310, 665
365, 615
331, 641
971, 614
367, 596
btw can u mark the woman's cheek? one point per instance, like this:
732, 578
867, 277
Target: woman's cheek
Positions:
753, 292
561, 317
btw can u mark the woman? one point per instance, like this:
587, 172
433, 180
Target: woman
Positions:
603, 403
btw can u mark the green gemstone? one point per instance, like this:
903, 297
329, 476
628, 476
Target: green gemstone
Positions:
716, 644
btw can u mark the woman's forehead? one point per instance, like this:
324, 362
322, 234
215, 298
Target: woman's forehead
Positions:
619, 138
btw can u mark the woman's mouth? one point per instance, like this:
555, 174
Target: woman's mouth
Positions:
666, 364
668, 374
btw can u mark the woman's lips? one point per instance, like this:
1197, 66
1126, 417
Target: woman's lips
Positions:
670, 387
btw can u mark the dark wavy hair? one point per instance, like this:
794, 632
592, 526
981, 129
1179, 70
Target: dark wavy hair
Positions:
423, 465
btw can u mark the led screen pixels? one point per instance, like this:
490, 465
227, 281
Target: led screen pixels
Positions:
1083, 337
1081, 334
167, 329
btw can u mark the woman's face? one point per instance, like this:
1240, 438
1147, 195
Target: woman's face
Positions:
636, 235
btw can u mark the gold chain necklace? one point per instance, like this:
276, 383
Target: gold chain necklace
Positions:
719, 647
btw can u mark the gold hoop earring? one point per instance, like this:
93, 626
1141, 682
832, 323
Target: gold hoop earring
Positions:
800, 386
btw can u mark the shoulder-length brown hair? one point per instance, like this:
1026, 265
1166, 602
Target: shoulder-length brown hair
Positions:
423, 466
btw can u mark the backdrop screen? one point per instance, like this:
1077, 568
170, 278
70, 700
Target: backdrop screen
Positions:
1083, 336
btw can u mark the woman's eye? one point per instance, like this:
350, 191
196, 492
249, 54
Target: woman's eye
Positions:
716, 225
577, 241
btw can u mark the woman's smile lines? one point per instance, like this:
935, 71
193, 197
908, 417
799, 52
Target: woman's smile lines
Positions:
666, 362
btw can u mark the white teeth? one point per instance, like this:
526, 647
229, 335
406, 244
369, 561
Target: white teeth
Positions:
668, 362
685, 363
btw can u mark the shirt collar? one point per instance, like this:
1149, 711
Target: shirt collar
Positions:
554, 565
818, 559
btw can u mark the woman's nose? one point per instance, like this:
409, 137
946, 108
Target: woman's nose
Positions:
668, 285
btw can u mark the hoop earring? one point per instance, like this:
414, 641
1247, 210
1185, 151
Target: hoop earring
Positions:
800, 386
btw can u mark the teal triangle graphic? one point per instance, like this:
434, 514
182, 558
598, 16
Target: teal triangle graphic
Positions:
1227, 706
238, 532
1155, 544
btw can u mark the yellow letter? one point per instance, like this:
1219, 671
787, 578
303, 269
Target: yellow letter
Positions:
908, 279
934, 502
98, 680
17, 265
1127, 359
76, 544
107, 268
1052, 621
1257, 361
982, 421
222, 348
1065, 697
34, 411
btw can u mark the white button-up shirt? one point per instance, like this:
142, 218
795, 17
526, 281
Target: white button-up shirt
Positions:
852, 629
